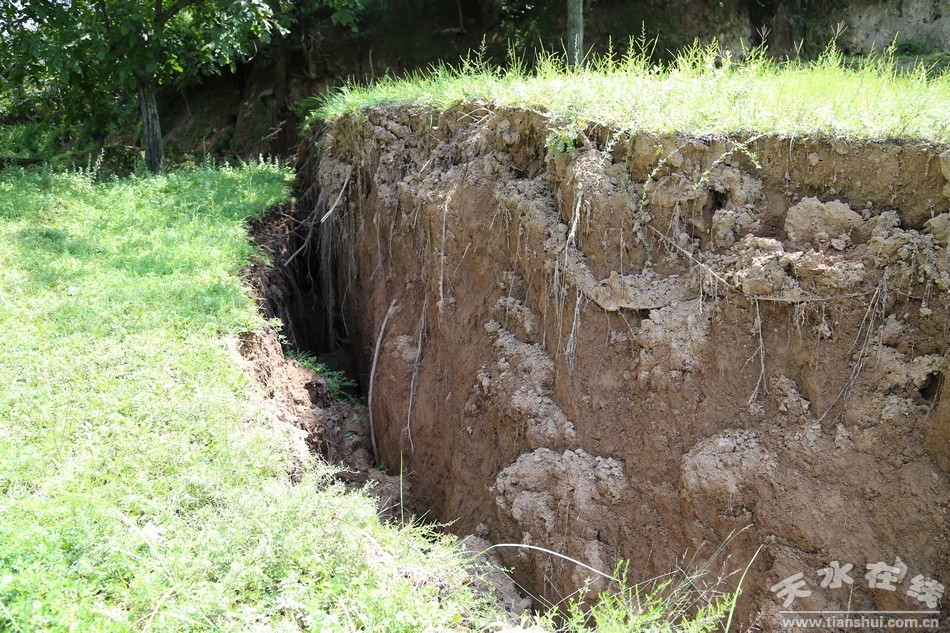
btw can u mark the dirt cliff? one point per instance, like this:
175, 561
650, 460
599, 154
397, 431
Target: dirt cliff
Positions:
631, 349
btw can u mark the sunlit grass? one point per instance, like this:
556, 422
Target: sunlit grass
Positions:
701, 92
139, 489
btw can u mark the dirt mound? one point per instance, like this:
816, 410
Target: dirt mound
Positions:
632, 350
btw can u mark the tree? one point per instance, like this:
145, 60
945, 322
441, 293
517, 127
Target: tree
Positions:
92, 47
106, 45
575, 32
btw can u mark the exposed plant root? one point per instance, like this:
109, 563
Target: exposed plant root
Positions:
372, 380
414, 383
709, 271
571, 346
874, 310
379, 247
325, 253
761, 382
571, 236
311, 222
445, 213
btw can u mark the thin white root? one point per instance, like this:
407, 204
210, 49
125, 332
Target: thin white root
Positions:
552, 553
571, 236
414, 383
372, 380
571, 346
762, 382
326, 215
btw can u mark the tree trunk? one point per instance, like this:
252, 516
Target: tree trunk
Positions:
281, 85
151, 126
575, 33
490, 13
458, 5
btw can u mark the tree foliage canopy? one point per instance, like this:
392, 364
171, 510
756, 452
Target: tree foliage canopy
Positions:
110, 43
82, 56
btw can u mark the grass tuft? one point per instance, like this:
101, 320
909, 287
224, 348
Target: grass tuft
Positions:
342, 387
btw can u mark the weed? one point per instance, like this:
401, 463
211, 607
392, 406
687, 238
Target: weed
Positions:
341, 386
606, 154
910, 47
686, 600
562, 139
735, 147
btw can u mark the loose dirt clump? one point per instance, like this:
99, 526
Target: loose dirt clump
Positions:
637, 348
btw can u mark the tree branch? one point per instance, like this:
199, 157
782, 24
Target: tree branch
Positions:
163, 16
105, 16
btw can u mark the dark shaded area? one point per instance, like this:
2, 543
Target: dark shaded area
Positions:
298, 287
931, 387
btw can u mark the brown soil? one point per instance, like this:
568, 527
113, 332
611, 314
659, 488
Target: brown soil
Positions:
759, 345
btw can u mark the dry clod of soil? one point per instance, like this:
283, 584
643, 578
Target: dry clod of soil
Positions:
814, 223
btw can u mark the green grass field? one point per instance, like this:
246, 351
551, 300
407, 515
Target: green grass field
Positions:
702, 92
139, 490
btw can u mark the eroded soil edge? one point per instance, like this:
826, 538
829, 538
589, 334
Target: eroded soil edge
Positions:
759, 345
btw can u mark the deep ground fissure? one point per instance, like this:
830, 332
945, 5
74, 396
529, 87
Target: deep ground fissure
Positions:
760, 345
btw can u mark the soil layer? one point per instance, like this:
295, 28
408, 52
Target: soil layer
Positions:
631, 350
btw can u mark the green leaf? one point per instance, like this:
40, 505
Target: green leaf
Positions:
78, 66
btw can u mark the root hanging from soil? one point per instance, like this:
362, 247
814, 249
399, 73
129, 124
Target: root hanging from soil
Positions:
311, 222
417, 364
372, 380
761, 382
874, 312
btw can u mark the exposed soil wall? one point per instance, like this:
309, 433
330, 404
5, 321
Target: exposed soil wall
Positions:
756, 345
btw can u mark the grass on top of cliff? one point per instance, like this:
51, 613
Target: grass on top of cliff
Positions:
703, 91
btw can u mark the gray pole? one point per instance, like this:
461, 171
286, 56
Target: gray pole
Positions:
575, 32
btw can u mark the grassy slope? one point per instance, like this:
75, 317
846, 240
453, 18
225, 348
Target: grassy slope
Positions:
138, 489
699, 93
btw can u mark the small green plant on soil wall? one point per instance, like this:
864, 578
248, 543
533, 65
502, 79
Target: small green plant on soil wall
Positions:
562, 139
341, 386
